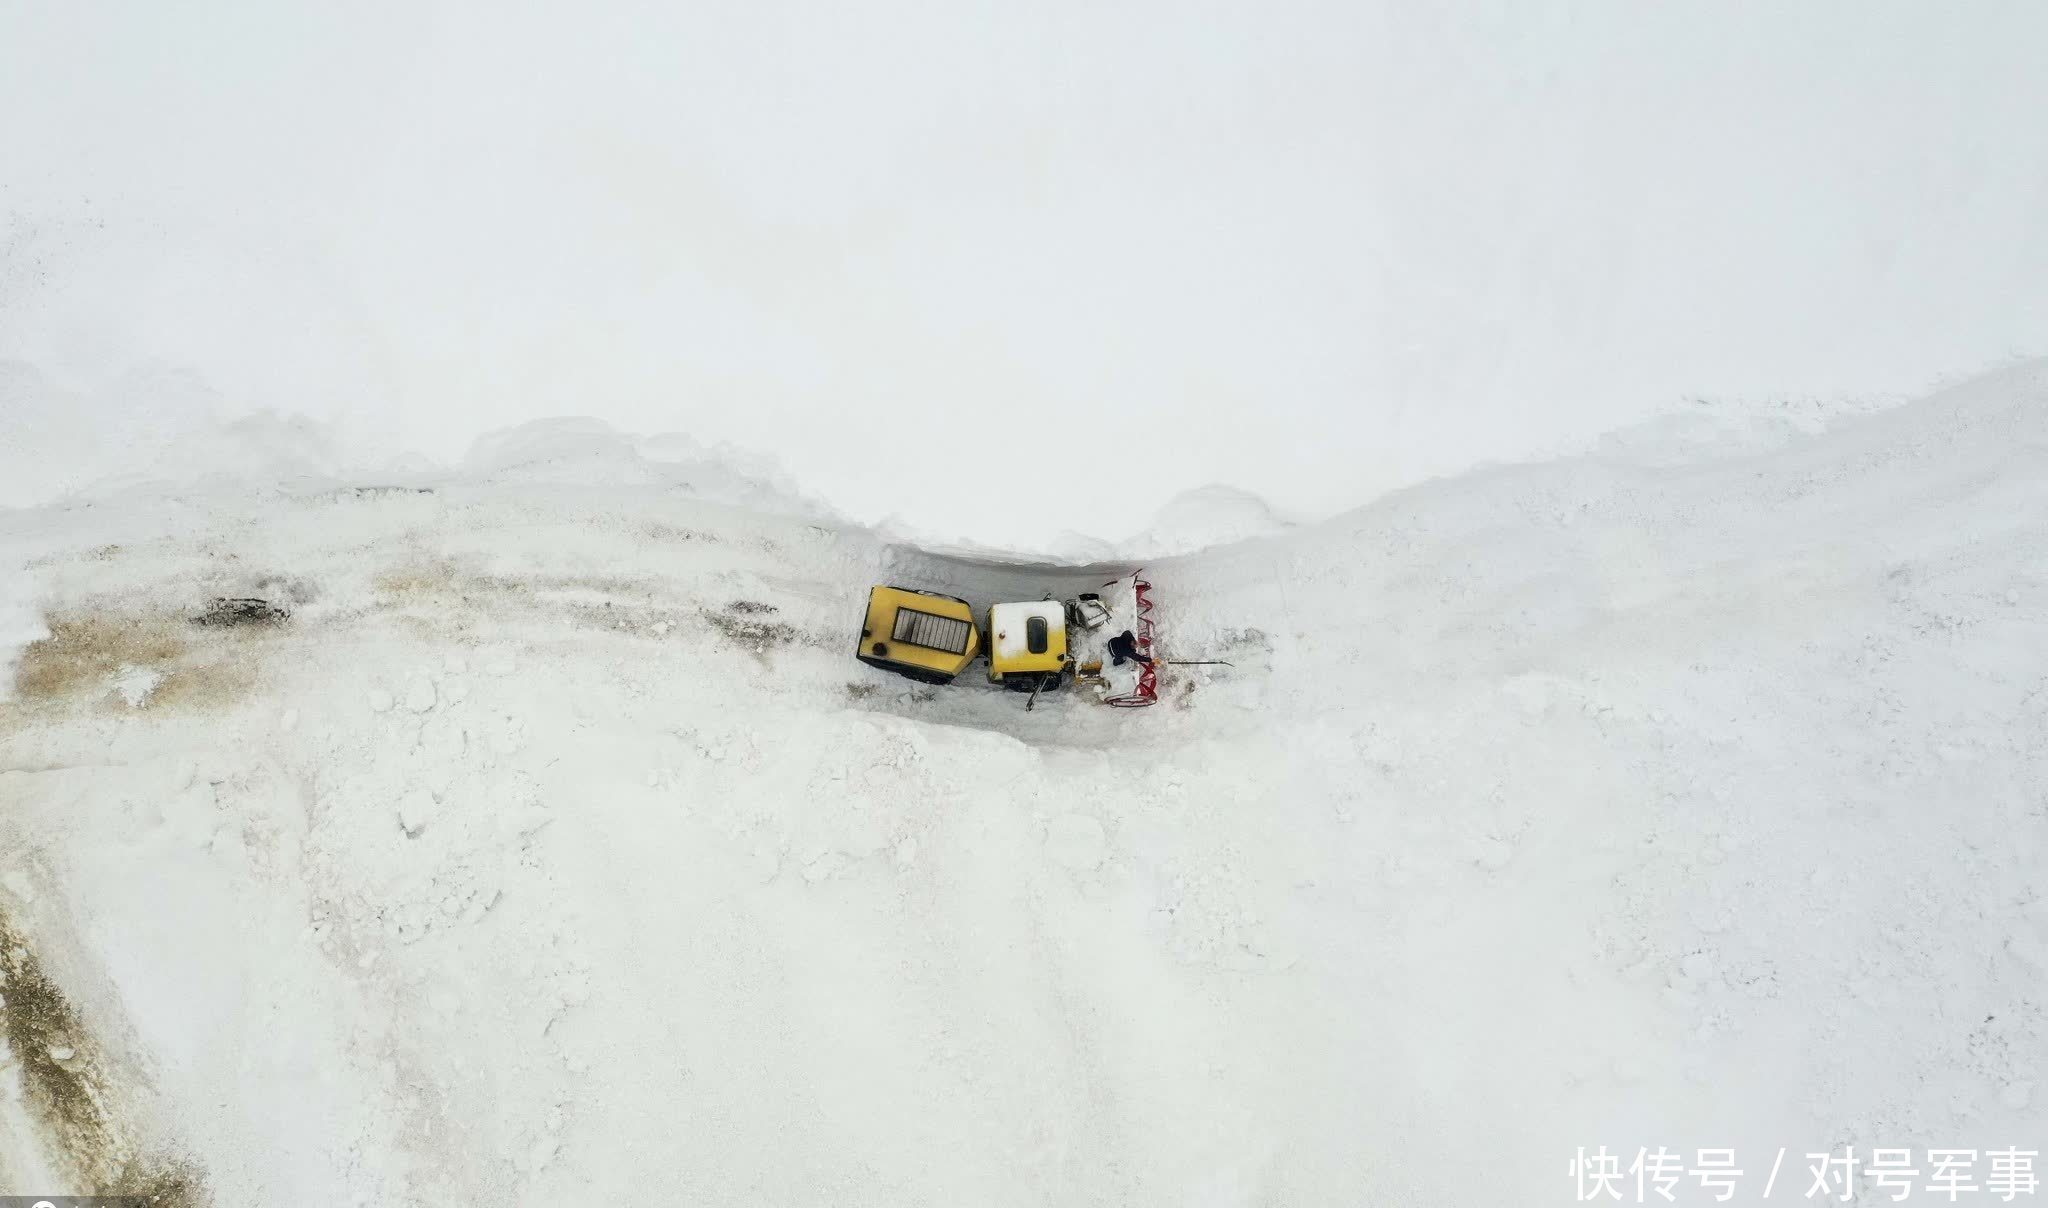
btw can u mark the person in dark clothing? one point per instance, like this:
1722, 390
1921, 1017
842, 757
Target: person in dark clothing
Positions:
1123, 646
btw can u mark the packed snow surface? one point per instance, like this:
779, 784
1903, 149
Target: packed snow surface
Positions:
554, 847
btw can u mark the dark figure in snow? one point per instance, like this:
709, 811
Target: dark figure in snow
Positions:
1124, 646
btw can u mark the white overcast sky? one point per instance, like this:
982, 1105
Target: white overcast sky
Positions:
1003, 270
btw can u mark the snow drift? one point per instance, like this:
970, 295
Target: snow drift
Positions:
555, 846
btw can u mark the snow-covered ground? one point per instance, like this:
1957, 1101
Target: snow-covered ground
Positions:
1317, 254
555, 847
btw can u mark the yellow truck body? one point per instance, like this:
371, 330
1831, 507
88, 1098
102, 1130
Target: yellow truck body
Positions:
921, 634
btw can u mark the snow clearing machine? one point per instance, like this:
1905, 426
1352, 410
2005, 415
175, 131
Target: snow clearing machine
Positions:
1101, 640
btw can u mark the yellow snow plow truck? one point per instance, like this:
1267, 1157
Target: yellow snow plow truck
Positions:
921, 634
1102, 640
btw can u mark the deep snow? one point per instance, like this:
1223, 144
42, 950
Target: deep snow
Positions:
555, 846
1316, 253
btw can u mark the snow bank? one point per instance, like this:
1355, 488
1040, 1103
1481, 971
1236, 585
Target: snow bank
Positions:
57, 442
159, 429
556, 847
165, 430
590, 452
1206, 516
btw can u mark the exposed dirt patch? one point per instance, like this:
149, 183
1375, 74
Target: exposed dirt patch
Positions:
1247, 639
630, 620
167, 1184
88, 655
66, 1090
242, 610
672, 532
641, 607
59, 1068
446, 578
84, 653
749, 631
417, 579
858, 691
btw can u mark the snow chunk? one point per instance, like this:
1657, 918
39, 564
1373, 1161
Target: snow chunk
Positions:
415, 810
419, 696
380, 701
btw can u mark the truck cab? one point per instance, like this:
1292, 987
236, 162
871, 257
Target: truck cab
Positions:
1027, 645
